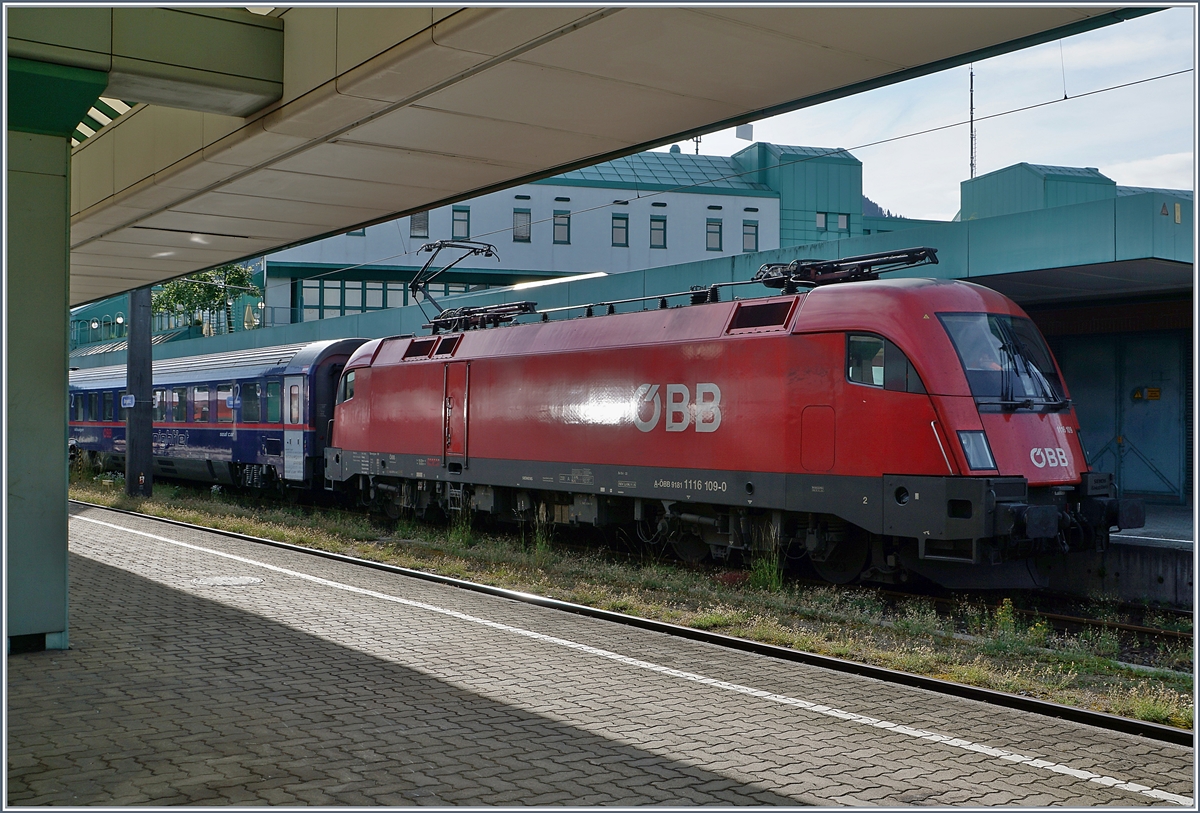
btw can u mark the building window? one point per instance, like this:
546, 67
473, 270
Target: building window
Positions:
357, 233
820, 221
461, 228
521, 224
562, 227
620, 230
658, 231
712, 235
843, 222
352, 298
418, 225
749, 235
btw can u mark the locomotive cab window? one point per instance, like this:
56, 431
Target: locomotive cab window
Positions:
346, 390
877, 362
1004, 357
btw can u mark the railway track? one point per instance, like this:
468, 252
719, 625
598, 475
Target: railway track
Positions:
1029, 704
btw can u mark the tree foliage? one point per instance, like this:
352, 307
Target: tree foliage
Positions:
206, 291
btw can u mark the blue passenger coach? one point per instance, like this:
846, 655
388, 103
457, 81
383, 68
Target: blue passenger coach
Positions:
255, 418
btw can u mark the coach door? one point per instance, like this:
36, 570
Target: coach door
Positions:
293, 427
457, 389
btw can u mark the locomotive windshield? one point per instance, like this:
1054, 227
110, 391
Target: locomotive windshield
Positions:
1005, 359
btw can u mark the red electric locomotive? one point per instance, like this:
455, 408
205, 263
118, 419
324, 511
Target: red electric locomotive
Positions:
878, 428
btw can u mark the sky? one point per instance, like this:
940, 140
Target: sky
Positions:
1139, 136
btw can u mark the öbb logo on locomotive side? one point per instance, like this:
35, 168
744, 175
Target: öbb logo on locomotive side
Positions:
1048, 456
681, 411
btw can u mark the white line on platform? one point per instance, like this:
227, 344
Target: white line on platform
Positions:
1154, 538
828, 711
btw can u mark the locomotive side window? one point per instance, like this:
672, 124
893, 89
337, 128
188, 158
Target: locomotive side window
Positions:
107, 408
200, 404
864, 363
346, 390
225, 403
179, 404
274, 402
251, 410
877, 362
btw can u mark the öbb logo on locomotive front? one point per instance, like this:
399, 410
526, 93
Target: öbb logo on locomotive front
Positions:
681, 411
1048, 456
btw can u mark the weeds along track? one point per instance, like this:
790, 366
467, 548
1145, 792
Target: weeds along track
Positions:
1029, 704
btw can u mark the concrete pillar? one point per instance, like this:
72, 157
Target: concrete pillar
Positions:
139, 426
36, 329
45, 103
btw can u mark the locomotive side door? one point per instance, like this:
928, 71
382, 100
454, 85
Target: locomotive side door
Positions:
293, 427
456, 390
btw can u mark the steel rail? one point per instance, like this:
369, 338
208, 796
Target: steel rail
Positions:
1111, 722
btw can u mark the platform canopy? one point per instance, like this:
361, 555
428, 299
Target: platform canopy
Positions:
388, 111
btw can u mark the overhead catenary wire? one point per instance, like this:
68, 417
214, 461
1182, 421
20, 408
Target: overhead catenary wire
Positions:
831, 151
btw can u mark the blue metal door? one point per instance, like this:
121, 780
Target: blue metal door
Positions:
1130, 395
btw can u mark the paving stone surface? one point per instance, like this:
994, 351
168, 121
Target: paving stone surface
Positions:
331, 683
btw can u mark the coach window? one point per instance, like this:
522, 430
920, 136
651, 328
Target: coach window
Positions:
864, 360
294, 404
108, 406
179, 404
251, 409
160, 405
200, 404
274, 402
124, 411
225, 403
93, 406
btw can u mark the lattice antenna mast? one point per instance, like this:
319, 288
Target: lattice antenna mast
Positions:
972, 119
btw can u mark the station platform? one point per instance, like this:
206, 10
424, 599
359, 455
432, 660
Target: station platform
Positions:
210, 670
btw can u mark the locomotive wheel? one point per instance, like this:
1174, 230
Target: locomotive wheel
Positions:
392, 509
847, 560
690, 548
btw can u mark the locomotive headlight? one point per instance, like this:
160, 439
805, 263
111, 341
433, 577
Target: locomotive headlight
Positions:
975, 447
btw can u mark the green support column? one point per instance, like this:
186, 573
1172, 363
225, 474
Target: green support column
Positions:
45, 103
